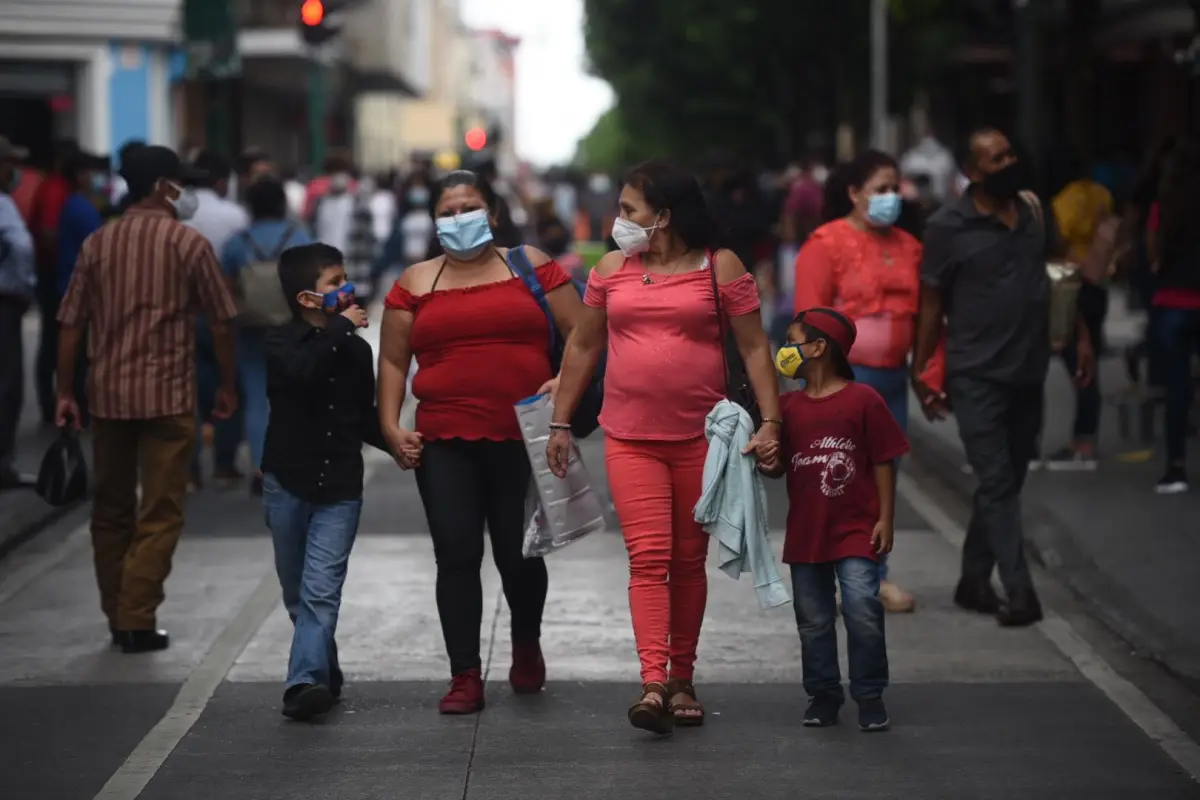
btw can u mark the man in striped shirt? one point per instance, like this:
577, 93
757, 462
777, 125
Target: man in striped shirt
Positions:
136, 288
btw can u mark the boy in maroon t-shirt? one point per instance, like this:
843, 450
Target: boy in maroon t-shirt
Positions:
838, 449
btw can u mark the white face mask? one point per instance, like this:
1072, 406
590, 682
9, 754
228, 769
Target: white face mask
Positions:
186, 204
631, 237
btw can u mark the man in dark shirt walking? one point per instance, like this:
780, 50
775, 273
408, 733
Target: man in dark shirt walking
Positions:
321, 389
984, 270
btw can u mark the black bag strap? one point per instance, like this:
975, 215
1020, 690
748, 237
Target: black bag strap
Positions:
722, 329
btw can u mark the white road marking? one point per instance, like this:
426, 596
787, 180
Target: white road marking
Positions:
1161, 729
152, 752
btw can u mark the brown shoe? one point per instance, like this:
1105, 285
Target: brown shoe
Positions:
896, 600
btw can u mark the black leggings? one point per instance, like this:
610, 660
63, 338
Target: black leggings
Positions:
465, 484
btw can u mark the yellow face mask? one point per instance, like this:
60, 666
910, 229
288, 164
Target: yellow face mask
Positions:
788, 361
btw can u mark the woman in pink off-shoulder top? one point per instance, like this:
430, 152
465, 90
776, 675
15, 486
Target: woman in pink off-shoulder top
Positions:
654, 305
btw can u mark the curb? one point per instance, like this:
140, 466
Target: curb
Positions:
1051, 544
30, 517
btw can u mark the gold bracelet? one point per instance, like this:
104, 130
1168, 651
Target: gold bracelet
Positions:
778, 422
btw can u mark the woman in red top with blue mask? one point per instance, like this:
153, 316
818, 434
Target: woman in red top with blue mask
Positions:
482, 343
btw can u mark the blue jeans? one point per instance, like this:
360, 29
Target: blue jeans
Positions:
892, 385
252, 372
862, 611
1177, 334
312, 549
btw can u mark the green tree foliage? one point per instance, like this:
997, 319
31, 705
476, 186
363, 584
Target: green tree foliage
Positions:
753, 77
608, 147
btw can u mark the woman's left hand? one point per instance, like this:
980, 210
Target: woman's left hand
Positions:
550, 387
763, 440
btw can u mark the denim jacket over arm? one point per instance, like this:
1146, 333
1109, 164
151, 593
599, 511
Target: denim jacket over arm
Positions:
733, 504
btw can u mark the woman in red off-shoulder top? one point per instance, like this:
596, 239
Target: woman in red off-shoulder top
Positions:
481, 343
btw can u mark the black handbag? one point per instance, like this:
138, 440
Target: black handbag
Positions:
737, 380
63, 476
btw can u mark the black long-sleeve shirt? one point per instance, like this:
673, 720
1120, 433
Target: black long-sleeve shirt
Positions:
321, 387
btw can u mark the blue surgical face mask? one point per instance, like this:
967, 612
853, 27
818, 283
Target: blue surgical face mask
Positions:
465, 235
338, 300
884, 209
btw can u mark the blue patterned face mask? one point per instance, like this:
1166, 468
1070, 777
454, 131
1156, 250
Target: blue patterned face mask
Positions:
465, 235
884, 209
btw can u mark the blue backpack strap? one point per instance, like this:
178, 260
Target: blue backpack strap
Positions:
519, 261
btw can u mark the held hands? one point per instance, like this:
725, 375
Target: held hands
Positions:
357, 315
765, 446
882, 537
406, 447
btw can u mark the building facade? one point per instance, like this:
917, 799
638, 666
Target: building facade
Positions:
98, 71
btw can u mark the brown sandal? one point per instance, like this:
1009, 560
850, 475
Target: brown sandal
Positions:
648, 715
692, 715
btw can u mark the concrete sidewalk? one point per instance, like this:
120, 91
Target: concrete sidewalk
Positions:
979, 712
1127, 552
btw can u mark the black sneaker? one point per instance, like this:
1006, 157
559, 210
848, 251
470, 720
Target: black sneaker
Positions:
306, 701
873, 716
1174, 482
822, 711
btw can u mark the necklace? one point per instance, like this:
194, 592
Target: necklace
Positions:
647, 280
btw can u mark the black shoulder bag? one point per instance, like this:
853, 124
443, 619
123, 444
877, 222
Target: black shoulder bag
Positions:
737, 380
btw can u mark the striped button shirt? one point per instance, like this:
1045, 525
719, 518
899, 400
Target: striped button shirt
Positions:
137, 286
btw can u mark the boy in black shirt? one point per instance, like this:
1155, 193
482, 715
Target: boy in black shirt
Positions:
321, 388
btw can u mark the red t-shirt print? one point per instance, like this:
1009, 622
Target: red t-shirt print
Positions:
831, 446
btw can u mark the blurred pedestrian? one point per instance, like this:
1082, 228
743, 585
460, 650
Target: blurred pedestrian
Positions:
17, 283
270, 233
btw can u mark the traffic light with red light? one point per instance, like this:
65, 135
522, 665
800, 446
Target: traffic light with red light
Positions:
316, 27
476, 139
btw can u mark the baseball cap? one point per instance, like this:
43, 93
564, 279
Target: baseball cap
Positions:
12, 152
836, 328
145, 166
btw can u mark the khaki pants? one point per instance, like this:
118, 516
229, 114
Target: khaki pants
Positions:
133, 546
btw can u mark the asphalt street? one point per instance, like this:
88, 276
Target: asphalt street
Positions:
1057, 711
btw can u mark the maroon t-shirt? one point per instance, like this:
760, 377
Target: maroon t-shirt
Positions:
830, 447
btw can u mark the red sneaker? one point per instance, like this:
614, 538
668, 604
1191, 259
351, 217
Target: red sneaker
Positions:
465, 695
528, 672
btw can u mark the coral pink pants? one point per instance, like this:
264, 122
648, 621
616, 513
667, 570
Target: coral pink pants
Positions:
655, 486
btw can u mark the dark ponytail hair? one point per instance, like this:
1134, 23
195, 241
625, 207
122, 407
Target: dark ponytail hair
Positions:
668, 187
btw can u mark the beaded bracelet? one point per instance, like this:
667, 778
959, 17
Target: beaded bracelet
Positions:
560, 426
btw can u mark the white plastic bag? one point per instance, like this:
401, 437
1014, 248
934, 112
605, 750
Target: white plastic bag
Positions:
560, 510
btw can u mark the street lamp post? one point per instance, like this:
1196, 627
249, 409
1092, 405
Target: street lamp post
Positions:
879, 73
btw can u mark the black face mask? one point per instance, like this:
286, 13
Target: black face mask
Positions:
1006, 183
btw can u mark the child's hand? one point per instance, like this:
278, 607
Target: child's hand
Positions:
357, 315
882, 537
771, 467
